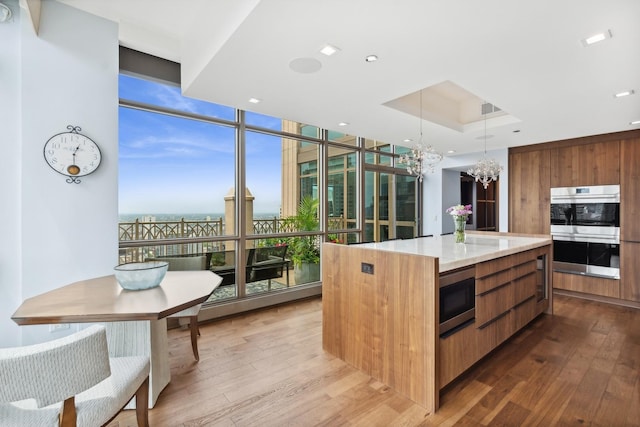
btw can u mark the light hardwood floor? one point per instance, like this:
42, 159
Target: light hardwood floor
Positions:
578, 367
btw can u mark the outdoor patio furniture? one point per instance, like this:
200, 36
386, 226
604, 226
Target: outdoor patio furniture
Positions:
268, 263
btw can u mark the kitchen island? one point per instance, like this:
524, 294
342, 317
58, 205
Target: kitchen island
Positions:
381, 304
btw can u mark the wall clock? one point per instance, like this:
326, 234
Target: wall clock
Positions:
72, 154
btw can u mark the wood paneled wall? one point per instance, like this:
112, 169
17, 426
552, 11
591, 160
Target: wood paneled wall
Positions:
591, 164
529, 192
594, 160
630, 189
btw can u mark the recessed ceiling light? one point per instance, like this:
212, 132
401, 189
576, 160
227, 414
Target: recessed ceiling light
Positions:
371, 58
451, 151
329, 50
624, 93
407, 140
635, 122
596, 38
254, 100
343, 124
516, 130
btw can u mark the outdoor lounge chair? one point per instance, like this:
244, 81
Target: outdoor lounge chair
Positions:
269, 263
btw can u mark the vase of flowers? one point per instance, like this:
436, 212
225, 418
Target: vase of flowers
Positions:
459, 213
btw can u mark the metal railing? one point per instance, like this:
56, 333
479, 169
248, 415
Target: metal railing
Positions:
148, 239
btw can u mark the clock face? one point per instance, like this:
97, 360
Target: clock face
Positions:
72, 154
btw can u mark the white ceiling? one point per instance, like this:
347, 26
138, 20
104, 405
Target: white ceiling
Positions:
525, 57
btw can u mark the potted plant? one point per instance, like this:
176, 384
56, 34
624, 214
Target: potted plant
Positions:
305, 250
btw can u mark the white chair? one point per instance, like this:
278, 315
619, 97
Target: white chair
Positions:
185, 263
70, 381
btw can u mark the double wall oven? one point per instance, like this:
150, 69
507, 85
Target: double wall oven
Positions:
585, 225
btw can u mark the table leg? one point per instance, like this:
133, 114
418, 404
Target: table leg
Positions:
144, 337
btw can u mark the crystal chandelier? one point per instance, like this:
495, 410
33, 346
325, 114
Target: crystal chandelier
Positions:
485, 170
422, 158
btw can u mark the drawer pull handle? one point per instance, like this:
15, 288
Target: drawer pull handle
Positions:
524, 302
494, 289
495, 319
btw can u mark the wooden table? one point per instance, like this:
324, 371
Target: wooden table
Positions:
136, 320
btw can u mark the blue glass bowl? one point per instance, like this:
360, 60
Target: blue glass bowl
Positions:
136, 276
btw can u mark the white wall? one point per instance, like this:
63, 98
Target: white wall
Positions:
63, 233
10, 245
438, 187
450, 197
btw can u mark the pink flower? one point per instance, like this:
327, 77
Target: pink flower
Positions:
460, 210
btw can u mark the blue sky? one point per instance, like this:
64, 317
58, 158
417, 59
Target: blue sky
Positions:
175, 165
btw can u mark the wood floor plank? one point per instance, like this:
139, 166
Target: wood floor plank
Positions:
551, 404
615, 403
494, 400
634, 408
511, 414
267, 368
586, 399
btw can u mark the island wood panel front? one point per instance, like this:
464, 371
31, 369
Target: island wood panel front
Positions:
385, 323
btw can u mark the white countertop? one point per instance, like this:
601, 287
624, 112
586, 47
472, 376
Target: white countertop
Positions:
478, 247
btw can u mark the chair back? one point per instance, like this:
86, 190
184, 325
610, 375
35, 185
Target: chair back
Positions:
267, 263
186, 263
269, 253
53, 371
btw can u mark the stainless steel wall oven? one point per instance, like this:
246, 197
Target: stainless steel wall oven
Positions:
585, 225
457, 299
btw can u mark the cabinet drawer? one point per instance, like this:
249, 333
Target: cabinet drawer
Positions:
525, 268
523, 257
457, 353
492, 304
524, 287
524, 313
488, 268
493, 334
488, 283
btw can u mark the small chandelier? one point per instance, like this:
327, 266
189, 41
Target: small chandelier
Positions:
422, 158
485, 170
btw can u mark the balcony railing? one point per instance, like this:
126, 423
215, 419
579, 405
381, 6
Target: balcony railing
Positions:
152, 230
190, 236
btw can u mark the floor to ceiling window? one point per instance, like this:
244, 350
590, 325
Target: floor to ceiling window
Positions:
390, 195
256, 194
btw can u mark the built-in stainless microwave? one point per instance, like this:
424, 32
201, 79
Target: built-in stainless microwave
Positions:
457, 299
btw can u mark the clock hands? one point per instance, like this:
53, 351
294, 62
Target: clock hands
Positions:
73, 169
